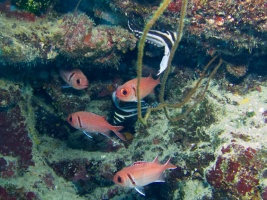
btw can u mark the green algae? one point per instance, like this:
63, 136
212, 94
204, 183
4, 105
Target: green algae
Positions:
37, 7
53, 38
203, 131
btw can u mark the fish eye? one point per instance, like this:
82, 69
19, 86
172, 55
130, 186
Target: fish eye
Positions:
124, 92
78, 81
70, 118
119, 179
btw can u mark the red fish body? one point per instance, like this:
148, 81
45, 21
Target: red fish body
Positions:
141, 174
128, 91
92, 123
75, 78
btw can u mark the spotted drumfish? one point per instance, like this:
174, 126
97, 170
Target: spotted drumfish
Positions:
126, 111
159, 39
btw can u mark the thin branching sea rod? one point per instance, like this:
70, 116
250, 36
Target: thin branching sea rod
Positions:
163, 104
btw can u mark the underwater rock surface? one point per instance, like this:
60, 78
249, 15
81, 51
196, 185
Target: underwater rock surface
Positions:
219, 148
73, 36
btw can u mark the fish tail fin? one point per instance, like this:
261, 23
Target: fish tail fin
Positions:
116, 130
168, 165
158, 81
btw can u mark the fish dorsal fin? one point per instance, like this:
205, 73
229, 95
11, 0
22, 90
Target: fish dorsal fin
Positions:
168, 165
139, 163
140, 190
156, 160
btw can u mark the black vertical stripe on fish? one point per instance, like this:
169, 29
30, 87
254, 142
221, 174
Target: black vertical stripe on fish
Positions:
121, 118
173, 35
79, 120
165, 38
71, 75
135, 92
149, 39
131, 179
134, 28
126, 111
158, 38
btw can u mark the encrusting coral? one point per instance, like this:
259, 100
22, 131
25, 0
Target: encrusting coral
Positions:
47, 38
163, 104
219, 147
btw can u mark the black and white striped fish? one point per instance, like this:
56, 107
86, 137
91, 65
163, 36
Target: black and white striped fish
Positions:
126, 111
159, 39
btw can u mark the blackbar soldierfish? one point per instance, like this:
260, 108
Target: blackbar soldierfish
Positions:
128, 91
141, 174
91, 123
75, 78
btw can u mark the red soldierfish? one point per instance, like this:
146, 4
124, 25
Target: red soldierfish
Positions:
75, 78
92, 123
128, 91
141, 174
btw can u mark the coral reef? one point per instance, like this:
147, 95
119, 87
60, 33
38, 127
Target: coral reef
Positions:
219, 147
15, 141
237, 173
11, 193
237, 71
212, 26
72, 36
33, 6
83, 41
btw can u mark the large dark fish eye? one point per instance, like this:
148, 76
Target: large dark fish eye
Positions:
123, 92
78, 81
70, 118
119, 179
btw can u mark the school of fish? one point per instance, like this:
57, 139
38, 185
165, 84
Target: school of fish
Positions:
140, 173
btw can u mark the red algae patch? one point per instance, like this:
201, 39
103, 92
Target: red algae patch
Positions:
237, 171
14, 142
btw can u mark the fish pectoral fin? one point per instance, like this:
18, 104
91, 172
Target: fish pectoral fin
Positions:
66, 86
87, 134
140, 190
